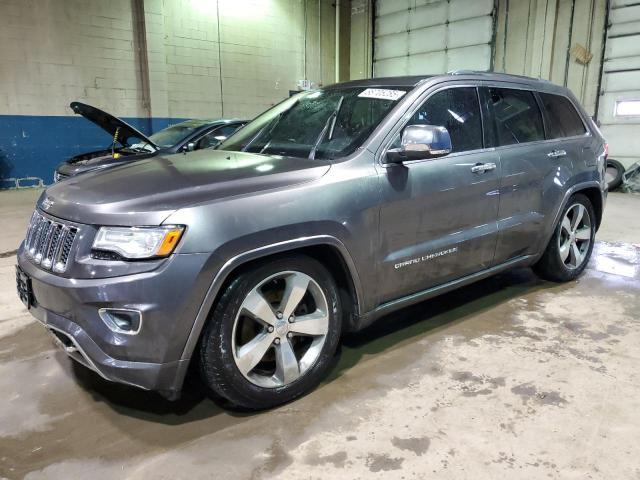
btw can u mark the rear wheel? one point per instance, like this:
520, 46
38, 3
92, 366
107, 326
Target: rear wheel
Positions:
570, 247
273, 333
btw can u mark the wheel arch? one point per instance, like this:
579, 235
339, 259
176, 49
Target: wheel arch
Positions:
595, 197
330, 251
593, 191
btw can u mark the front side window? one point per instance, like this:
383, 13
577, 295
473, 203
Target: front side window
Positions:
324, 124
562, 118
216, 136
456, 109
514, 117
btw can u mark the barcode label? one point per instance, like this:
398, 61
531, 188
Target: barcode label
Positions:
382, 94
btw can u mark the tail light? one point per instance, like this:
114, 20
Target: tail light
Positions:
606, 151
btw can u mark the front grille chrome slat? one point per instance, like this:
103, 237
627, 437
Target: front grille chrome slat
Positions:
49, 243
37, 227
42, 238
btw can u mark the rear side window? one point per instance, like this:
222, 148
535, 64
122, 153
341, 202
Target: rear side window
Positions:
514, 117
562, 118
456, 109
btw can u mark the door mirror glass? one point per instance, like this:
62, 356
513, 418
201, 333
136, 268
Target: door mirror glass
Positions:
421, 142
189, 147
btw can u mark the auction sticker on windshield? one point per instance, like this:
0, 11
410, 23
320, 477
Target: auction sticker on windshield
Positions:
382, 93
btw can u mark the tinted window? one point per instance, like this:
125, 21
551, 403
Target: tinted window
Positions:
215, 137
228, 130
514, 116
174, 134
456, 109
562, 118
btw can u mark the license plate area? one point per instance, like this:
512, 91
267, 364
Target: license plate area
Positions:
24, 288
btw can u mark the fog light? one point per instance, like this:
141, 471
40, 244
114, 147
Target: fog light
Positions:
121, 320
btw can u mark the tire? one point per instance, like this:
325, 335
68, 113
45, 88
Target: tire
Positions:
613, 174
246, 346
561, 261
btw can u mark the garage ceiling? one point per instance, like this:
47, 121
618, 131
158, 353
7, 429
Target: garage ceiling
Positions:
621, 81
432, 36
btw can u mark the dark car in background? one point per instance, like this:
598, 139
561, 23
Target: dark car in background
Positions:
130, 144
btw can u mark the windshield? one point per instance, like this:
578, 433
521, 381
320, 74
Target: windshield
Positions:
325, 124
172, 135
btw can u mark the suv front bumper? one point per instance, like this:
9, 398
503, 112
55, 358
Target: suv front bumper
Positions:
168, 299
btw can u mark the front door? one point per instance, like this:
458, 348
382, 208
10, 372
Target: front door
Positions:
438, 220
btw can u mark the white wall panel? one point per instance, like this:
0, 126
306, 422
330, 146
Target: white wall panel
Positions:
473, 31
432, 36
627, 46
621, 81
469, 58
428, 16
431, 39
623, 15
461, 9
427, 63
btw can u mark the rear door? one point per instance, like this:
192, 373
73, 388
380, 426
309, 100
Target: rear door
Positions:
534, 168
438, 216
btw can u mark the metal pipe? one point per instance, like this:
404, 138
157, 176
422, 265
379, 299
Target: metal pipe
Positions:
337, 69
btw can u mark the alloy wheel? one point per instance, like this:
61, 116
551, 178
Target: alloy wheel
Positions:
575, 236
280, 329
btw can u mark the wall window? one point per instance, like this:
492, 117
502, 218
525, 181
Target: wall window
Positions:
456, 109
562, 118
628, 108
514, 117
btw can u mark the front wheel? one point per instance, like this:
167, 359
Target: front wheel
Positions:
273, 333
570, 247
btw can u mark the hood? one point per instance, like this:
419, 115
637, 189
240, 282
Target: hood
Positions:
110, 124
147, 191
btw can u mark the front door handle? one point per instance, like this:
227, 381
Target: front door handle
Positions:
483, 167
557, 153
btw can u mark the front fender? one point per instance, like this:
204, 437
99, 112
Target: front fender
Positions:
235, 261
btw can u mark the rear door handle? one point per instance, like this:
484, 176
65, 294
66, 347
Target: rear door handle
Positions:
483, 167
557, 153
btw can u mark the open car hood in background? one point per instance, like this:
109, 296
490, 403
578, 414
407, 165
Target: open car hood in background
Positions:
126, 133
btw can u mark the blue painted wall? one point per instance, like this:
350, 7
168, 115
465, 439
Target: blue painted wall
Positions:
32, 146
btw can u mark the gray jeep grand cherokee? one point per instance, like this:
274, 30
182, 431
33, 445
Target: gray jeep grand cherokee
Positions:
331, 209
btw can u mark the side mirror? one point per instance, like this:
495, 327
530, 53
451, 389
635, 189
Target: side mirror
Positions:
189, 147
421, 142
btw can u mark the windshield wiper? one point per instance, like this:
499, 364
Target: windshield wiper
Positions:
329, 125
268, 128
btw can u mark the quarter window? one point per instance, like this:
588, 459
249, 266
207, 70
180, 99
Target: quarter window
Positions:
514, 117
562, 118
456, 109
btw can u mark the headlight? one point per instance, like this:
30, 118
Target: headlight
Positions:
138, 242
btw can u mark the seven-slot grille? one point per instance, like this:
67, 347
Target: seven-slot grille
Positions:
49, 243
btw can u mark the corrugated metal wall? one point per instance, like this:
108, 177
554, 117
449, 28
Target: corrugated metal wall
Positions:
621, 81
559, 40
432, 36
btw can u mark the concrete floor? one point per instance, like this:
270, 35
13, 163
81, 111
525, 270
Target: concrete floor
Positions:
509, 378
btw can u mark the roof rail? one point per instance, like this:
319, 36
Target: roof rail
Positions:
465, 72
487, 72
